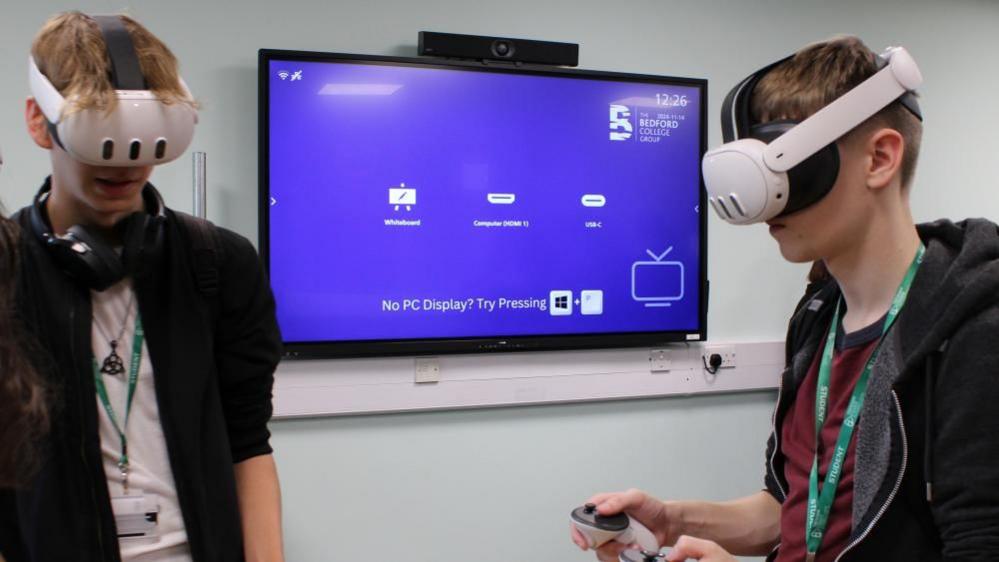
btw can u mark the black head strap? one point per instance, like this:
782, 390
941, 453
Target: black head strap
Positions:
735, 116
126, 73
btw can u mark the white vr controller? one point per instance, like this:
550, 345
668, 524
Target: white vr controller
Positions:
602, 529
642, 556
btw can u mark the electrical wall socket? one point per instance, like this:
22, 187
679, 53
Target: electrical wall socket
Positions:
428, 370
660, 361
727, 353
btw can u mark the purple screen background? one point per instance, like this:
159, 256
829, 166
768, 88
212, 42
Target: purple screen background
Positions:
455, 136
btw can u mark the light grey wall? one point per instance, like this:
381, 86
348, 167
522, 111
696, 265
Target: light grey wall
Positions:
497, 485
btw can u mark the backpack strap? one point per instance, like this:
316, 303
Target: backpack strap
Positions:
206, 253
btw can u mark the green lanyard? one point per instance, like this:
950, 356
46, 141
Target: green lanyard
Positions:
819, 506
102, 393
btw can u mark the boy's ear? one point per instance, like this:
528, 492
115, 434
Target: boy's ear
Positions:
885, 148
38, 125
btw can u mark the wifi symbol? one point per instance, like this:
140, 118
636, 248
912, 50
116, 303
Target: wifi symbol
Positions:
283, 74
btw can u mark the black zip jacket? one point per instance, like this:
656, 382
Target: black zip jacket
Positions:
926, 481
214, 359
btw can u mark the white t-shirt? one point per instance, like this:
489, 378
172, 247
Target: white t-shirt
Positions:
149, 463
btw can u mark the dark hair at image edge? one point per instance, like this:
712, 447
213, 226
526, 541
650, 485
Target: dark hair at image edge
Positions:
23, 398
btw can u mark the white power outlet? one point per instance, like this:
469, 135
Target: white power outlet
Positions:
726, 352
428, 370
660, 361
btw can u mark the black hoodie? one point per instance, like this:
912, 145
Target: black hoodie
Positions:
926, 481
214, 360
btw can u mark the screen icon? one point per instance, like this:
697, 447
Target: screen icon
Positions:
402, 196
657, 283
560, 303
591, 303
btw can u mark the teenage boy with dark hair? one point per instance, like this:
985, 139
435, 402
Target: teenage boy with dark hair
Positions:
918, 479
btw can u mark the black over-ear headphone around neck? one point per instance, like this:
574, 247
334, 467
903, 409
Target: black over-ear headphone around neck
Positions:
85, 255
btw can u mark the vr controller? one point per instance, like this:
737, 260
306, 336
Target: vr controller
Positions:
601, 529
642, 556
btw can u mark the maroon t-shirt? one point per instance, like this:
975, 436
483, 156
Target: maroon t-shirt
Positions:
798, 447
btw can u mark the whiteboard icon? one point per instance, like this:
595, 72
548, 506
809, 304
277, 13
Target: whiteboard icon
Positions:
657, 283
594, 200
402, 196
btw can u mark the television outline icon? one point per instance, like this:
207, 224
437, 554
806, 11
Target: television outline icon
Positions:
658, 300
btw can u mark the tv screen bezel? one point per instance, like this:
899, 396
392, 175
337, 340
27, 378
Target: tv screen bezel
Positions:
478, 344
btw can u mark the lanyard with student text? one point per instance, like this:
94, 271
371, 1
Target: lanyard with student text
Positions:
102, 393
820, 504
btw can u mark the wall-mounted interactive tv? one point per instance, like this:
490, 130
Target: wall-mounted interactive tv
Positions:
423, 206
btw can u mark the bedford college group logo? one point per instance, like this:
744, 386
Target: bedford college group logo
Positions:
620, 123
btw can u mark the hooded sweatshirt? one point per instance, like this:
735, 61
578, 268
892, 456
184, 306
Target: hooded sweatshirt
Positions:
926, 477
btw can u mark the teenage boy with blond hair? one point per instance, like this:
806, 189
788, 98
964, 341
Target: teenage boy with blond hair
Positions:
159, 448
917, 480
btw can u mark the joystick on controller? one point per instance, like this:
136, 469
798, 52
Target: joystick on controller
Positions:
601, 529
642, 556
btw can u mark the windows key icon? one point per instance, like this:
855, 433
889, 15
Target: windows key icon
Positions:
560, 303
592, 303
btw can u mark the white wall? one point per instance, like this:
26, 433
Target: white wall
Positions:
497, 484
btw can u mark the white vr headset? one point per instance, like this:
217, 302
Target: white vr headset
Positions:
767, 170
140, 130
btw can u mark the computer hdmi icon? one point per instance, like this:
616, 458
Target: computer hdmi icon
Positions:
501, 198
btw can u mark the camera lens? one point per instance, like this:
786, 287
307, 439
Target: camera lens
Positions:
503, 49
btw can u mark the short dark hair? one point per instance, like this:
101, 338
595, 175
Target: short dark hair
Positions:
822, 72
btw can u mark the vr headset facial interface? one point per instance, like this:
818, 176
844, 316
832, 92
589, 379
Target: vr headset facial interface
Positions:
772, 169
140, 130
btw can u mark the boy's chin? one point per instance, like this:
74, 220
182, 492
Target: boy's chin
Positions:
113, 208
796, 254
